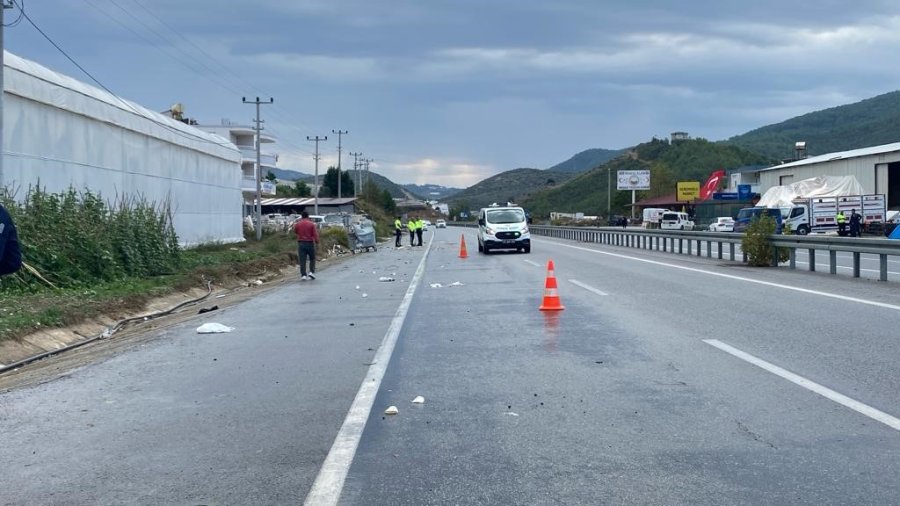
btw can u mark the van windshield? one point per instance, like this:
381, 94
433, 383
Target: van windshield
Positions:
506, 216
670, 217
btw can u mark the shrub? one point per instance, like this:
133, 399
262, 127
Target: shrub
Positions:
756, 242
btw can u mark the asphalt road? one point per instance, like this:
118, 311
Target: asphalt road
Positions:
666, 380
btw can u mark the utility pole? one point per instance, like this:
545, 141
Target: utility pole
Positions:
355, 169
316, 157
339, 133
259, 128
6, 4
608, 193
366, 161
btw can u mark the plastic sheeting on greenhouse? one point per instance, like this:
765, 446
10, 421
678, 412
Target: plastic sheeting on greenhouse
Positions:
822, 186
59, 133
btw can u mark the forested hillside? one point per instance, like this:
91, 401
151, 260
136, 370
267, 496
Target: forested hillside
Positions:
691, 160
587, 160
512, 185
871, 122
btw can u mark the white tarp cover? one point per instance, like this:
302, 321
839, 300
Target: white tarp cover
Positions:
822, 186
59, 133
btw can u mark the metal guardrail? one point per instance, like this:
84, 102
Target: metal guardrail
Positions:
681, 242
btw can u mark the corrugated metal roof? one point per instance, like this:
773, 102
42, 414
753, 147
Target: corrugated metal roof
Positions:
840, 155
307, 201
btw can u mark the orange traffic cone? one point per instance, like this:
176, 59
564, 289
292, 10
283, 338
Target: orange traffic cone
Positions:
551, 294
462, 247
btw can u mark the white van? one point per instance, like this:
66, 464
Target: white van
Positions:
503, 228
676, 221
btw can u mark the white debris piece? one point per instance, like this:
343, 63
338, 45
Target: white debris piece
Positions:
365, 295
456, 283
510, 413
213, 328
418, 400
437, 285
258, 282
357, 287
391, 410
386, 278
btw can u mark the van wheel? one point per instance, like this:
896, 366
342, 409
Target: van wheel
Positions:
480, 247
487, 251
802, 230
527, 249
682, 227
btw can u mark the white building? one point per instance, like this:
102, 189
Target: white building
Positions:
877, 169
243, 137
60, 133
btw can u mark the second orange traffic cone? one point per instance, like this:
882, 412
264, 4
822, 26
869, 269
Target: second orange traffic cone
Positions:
462, 247
551, 300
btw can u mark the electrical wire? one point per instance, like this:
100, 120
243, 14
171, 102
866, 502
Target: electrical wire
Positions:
21, 12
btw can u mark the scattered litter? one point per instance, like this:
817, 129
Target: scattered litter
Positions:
374, 272
357, 287
437, 285
418, 400
365, 295
207, 309
258, 282
220, 296
386, 278
352, 324
391, 410
510, 413
456, 283
213, 328
107, 332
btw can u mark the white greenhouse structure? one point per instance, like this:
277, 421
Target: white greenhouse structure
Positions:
60, 133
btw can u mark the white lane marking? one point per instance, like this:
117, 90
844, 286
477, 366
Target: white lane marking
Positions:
823, 265
738, 278
587, 287
532, 263
330, 481
810, 385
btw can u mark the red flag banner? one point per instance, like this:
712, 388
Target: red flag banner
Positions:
712, 184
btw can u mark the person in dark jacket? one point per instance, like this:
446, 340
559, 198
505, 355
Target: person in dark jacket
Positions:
855, 222
10, 254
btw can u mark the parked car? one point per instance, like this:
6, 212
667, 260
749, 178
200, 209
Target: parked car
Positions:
722, 224
676, 221
747, 214
426, 224
440, 224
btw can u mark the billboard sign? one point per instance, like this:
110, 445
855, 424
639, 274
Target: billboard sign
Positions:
633, 180
688, 191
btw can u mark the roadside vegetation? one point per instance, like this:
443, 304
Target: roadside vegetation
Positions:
87, 258
756, 245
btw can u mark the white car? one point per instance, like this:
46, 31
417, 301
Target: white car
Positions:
722, 224
676, 221
440, 224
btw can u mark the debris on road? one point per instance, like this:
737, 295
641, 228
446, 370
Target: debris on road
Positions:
213, 328
418, 400
456, 283
510, 413
365, 295
437, 285
207, 309
391, 410
386, 278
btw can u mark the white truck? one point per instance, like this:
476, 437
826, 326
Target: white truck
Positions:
817, 214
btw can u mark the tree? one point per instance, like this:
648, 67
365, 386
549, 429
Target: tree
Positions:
330, 183
387, 202
270, 176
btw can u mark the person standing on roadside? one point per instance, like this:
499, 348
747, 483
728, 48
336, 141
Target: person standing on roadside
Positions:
841, 223
398, 231
307, 240
411, 226
10, 254
420, 227
855, 222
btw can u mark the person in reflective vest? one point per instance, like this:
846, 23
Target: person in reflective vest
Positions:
841, 223
398, 231
411, 226
420, 226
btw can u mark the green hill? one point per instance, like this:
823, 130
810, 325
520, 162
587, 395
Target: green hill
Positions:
384, 183
587, 160
871, 122
512, 185
692, 160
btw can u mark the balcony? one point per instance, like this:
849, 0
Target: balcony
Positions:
248, 154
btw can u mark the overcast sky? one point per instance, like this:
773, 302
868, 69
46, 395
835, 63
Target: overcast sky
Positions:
453, 91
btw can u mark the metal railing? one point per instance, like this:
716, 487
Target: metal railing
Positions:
689, 242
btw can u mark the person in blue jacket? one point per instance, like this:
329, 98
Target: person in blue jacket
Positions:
10, 255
